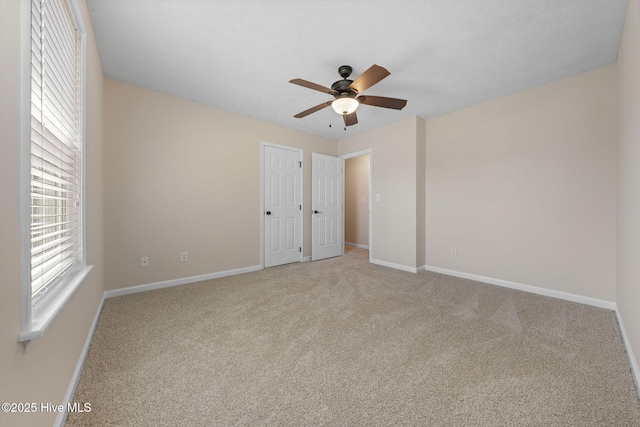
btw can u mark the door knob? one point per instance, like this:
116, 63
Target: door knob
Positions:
316, 212
268, 212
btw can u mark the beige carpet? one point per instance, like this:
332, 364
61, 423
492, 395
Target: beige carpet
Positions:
342, 342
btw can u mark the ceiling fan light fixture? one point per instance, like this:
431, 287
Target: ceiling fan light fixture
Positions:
345, 105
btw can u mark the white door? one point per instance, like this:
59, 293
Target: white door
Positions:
327, 213
282, 206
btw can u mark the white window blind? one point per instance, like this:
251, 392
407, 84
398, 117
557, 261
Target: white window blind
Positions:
56, 146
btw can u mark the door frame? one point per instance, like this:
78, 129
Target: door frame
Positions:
264, 144
368, 151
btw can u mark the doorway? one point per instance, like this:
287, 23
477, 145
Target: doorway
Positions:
357, 200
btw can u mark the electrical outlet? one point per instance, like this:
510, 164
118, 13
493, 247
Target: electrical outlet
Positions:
184, 256
144, 262
454, 252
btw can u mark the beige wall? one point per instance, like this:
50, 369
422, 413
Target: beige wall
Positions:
628, 287
524, 187
43, 373
394, 170
356, 200
186, 177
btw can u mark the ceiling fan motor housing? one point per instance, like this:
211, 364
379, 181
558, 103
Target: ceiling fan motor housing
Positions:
342, 86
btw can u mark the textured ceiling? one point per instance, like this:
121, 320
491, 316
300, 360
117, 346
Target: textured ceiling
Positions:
443, 55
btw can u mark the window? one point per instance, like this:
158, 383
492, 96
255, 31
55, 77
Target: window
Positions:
54, 240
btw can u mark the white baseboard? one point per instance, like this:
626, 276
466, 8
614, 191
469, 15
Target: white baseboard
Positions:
61, 419
393, 265
357, 245
178, 282
627, 344
526, 288
306, 259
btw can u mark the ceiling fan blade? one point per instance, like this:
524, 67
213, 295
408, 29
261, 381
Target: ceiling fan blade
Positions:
350, 119
373, 75
313, 110
382, 101
314, 86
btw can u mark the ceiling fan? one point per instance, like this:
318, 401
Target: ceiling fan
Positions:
347, 94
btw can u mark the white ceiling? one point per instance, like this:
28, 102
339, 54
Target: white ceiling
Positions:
443, 55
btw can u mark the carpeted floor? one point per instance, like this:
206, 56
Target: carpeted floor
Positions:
342, 342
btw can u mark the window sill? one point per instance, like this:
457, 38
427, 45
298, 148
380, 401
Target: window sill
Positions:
43, 314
